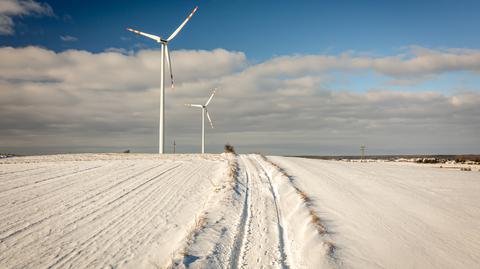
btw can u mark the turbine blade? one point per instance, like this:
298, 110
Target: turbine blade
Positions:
211, 97
154, 37
169, 62
182, 25
193, 105
209, 119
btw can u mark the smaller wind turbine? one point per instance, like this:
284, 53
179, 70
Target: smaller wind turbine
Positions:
204, 111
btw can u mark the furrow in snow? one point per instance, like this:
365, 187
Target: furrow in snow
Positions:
58, 211
68, 192
114, 225
142, 215
128, 213
72, 218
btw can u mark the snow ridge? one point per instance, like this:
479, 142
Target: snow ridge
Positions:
307, 233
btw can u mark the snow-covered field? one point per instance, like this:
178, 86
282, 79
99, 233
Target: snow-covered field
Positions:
394, 215
226, 211
96, 211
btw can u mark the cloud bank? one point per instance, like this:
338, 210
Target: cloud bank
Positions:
16, 8
77, 101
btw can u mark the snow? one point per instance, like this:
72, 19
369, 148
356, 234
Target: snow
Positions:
394, 215
234, 211
260, 222
95, 211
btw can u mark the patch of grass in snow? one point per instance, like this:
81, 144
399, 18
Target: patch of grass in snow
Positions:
314, 218
183, 255
233, 172
330, 247
199, 224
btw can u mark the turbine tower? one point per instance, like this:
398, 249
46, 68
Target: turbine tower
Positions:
164, 54
204, 111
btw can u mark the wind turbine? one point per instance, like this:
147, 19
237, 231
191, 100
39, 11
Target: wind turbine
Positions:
204, 111
164, 54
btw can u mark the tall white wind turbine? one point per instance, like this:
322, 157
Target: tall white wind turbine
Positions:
204, 111
164, 54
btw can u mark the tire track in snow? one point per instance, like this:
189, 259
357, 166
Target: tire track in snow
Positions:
15, 170
240, 237
137, 232
279, 219
115, 223
50, 178
144, 213
57, 190
97, 212
52, 193
95, 225
263, 244
13, 185
20, 172
70, 227
42, 219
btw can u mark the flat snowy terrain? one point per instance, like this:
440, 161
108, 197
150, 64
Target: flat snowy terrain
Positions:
227, 211
92, 211
394, 215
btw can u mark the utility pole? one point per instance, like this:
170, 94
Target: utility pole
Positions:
174, 147
362, 152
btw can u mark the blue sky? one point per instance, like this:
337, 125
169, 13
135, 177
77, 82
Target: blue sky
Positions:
261, 29
294, 77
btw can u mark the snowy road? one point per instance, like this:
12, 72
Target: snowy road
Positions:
263, 243
261, 222
245, 228
394, 215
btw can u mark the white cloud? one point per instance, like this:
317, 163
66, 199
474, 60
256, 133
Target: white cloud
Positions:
15, 8
423, 61
82, 101
415, 63
6, 25
68, 38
